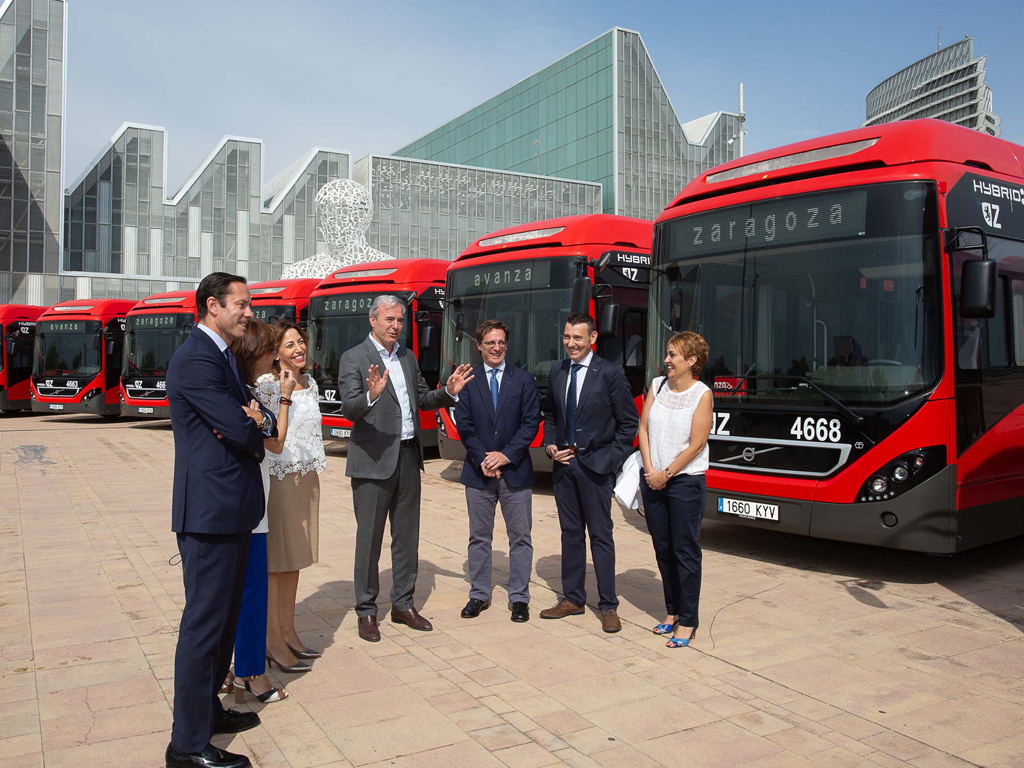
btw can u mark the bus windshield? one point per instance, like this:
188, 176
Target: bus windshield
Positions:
153, 340
68, 348
831, 297
531, 296
268, 313
338, 323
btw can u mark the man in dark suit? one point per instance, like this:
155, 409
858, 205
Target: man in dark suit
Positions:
217, 501
385, 459
497, 418
590, 422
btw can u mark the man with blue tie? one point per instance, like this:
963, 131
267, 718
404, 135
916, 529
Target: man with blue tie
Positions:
590, 422
497, 418
217, 501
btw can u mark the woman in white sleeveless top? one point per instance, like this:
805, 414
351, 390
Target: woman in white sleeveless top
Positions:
674, 429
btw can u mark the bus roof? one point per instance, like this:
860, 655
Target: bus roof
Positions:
20, 312
388, 272
89, 308
161, 302
289, 290
594, 228
889, 144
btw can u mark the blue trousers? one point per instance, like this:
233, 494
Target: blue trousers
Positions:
251, 636
674, 515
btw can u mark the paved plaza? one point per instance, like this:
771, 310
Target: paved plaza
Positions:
809, 652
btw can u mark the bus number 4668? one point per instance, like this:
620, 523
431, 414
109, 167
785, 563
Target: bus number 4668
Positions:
821, 430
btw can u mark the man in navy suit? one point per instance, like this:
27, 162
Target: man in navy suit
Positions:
590, 422
497, 417
217, 501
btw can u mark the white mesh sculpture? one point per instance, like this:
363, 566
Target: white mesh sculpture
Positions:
344, 211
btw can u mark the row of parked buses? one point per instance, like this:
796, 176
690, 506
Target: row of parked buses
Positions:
862, 295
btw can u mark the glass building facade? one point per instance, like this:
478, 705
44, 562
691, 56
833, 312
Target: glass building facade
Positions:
598, 114
946, 85
425, 209
32, 78
125, 237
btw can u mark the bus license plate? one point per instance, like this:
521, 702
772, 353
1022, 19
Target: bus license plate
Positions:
346, 433
145, 409
56, 406
750, 509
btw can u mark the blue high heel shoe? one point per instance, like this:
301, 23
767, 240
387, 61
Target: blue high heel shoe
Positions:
665, 629
681, 642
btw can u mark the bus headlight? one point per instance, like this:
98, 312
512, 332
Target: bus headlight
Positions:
904, 472
900, 473
879, 485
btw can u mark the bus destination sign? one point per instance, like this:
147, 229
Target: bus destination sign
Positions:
153, 321
509, 276
772, 223
64, 326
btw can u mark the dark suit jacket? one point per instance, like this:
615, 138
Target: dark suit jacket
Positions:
217, 483
509, 430
377, 430
606, 416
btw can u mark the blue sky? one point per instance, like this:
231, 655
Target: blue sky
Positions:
370, 77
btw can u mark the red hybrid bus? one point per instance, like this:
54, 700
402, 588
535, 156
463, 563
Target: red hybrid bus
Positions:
155, 328
18, 336
78, 355
531, 277
283, 298
339, 311
863, 298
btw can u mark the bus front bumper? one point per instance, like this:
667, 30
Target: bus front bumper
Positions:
94, 405
146, 411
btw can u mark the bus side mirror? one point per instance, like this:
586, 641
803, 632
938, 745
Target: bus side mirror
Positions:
978, 288
459, 320
609, 320
580, 301
318, 327
603, 262
428, 334
10, 346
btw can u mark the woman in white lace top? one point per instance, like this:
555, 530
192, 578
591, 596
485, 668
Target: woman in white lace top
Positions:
294, 504
674, 428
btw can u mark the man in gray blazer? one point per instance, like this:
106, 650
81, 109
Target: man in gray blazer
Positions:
385, 458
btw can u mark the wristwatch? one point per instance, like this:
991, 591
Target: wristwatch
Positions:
265, 424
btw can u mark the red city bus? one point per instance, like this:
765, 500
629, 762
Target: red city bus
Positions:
531, 277
339, 312
155, 328
78, 356
283, 298
17, 335
863, 298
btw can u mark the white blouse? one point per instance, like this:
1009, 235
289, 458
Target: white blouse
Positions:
668, 426
304, 444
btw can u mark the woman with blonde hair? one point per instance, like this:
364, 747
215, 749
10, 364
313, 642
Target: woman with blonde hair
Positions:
255, 353
294, 505
674, 428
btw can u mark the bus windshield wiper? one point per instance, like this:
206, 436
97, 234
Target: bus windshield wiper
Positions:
838, 404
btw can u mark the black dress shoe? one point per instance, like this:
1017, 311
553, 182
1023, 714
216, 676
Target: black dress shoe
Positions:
473, 608
233, 721
211, 757
520, 612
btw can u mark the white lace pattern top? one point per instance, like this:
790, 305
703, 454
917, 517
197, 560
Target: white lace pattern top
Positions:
304, 445
668, 426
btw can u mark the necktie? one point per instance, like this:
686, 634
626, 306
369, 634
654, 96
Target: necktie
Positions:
234, 365
570, 407
494, 388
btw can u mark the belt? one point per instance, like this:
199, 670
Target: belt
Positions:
410, 441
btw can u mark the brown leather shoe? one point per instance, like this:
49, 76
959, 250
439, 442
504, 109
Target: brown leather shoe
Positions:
561, 609
411, 619
610, 621
368, 629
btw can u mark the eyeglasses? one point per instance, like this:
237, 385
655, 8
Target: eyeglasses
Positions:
493, 344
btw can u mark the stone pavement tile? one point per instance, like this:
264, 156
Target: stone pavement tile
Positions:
881, 758
936, 759
589, 740
20, 725
799, 741
95, 698
437, 686
724, 706
540, 704
954, 727
623, 757
780, 760
853, 726
18, 746
467, 754
592, 693
571, 665
305, 745
415, 674
820, 674
837, 757
30, 760
135, 751
850, 745
547, 739
496, 704
396, 737
760, 723
945, 640
1004, 659
708, 746
475, 719
351, 680
111, 724
527, 756
519, 721
513, 691
500, 736
491, 676
454, 702
116, 671
648, 719
897, 745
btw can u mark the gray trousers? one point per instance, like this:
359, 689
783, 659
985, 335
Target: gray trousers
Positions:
517, 509
375, 501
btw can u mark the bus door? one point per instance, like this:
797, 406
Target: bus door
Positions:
113, 352
429, 306
19, 341
620, 298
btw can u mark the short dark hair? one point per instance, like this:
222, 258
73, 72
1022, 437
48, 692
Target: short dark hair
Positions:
217, 285
487, 326
581, 318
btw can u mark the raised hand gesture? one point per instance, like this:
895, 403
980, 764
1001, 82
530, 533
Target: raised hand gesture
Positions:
375, 383
459, 379
287, 383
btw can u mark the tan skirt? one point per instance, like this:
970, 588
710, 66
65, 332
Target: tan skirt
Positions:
293, 513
